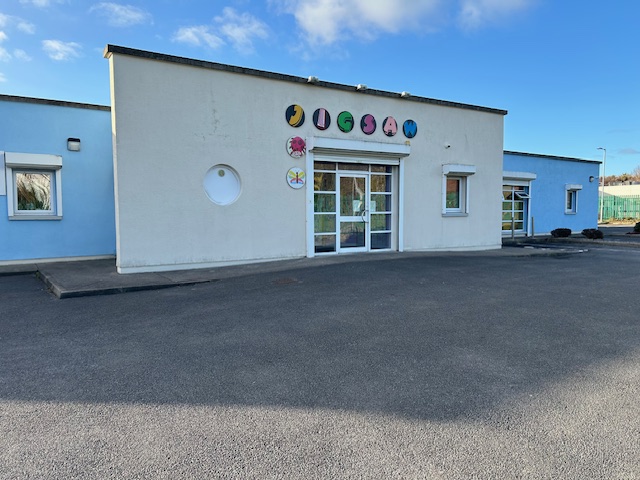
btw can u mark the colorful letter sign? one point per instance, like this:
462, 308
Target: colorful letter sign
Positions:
390, 126
410, 128
368, 124
321, 119
345, 122
294, 115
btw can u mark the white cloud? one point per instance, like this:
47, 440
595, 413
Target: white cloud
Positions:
325, 22
197, 36
22, 25
9, 21
5, 56
477, 13
61, 51
40, 3
20, 54
122, 15
629, 151
26, 27
2, 77
239, 30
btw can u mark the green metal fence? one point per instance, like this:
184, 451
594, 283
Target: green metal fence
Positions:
618, 208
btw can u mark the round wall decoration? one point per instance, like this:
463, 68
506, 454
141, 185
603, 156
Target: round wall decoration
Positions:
294, 115
296, 147
390, 126
321, 119
368, 124
296, 178
222, 184
345, 122
410, 128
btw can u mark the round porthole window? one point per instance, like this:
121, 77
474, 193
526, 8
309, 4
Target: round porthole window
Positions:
222, 185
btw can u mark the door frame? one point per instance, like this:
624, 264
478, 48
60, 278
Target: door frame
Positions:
521, 179
355, 151
366, 218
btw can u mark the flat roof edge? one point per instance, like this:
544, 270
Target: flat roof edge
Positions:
554, 157
111, 49
57, 103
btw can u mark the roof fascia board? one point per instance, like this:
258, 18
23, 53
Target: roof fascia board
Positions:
111, 49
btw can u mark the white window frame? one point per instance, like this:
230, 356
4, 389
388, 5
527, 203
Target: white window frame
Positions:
33, 163
462, 196
571, 191
461, 173
3, 182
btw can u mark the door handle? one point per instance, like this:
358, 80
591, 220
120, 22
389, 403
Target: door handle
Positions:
364, 216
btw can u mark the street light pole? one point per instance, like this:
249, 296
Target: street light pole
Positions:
604, 174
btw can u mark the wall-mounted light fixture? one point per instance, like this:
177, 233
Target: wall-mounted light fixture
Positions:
591, 178
361, 87
405, 94
73, 144
312, 79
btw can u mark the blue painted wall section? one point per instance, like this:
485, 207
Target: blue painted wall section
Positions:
548, 193
88, 224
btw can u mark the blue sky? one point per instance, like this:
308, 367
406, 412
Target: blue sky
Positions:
568, 71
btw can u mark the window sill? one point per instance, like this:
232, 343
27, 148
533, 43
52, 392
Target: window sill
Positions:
35, 217
570, 213
455, 214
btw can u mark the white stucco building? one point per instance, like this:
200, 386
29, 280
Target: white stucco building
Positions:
216, 165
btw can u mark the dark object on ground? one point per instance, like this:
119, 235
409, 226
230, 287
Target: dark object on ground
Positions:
592, 233
561, 232
636, 228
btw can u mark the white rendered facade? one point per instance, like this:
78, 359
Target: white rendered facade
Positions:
201, 168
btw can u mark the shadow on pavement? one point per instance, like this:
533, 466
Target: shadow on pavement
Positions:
426, 337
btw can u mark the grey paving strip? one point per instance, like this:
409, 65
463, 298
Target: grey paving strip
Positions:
99, 277
22, 269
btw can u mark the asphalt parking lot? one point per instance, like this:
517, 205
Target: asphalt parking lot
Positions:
447, 366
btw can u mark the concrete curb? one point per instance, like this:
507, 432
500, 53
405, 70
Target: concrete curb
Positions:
571, 240
63, 283
99, 277
21, 269
62, 293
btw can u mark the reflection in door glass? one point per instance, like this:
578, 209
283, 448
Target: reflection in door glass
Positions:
380, 222
324, 223
353, 166
325, 243
381, 183
381, 168
352, 234
323, 181
324, 202
380, 241
380, 203
352, 195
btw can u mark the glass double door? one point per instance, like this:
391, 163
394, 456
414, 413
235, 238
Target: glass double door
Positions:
353, 213
353, 207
